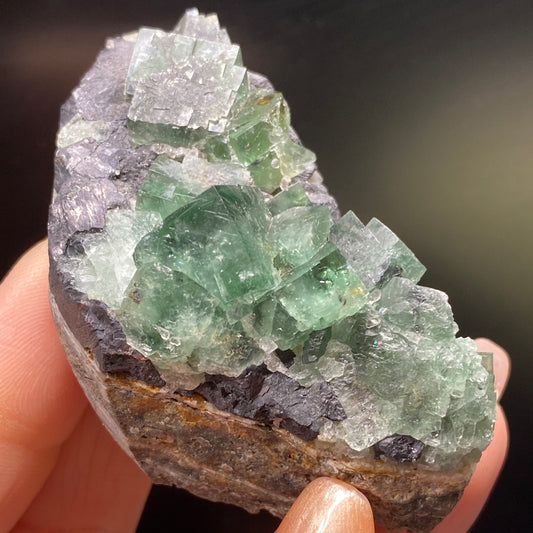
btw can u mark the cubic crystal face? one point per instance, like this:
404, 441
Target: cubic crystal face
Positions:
190, 88
222, 258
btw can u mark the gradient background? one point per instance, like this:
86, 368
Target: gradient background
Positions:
420, 113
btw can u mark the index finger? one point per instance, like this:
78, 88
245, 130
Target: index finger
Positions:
40, 400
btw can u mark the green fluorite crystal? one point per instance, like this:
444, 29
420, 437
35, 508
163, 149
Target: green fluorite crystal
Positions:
224, 259
189, 88
171, 184
218, 239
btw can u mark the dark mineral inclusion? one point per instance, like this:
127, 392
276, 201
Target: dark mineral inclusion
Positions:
401, 448
270, 396
193, 244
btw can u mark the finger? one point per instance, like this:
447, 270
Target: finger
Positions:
104, 488
329, 506
40, 400
478, 490
501, 362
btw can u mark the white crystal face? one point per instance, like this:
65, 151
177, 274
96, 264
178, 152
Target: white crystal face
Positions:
183, 80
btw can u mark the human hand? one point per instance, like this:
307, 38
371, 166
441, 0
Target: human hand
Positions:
61, 471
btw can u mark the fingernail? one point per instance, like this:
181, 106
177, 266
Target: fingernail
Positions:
329, 506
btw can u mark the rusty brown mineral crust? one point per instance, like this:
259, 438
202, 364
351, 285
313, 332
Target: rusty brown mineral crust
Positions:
186, 442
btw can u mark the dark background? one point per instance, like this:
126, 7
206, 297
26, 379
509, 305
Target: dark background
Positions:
420, 113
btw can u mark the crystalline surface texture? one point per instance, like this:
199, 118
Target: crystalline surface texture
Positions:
224, 257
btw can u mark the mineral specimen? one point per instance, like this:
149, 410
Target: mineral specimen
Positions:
200, 272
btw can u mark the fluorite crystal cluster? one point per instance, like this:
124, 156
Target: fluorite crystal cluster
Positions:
223, 261
185, 203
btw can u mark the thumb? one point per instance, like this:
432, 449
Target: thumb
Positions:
329, 506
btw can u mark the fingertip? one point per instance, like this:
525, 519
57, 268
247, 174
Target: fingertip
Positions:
329, 506
35, 256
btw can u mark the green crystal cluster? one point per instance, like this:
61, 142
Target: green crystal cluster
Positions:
217, 267
189, 88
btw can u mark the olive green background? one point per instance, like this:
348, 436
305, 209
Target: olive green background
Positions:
420, 113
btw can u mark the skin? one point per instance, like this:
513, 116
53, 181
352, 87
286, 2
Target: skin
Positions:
54, 449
